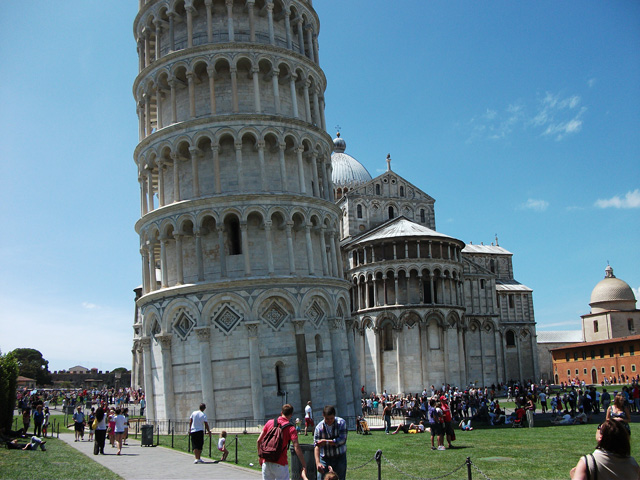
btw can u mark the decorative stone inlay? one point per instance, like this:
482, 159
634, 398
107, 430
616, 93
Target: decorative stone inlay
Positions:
183, 324
315, 314
275, 315
226, 318
410, 322
253, 329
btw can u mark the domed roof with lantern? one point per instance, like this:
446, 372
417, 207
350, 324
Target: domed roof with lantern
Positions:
611, 293
347, 171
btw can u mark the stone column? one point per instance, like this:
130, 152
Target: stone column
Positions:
323, 251
234, 89
152, 266
283, 167
334, 255
172, 31
272, 38
149, 181
206, 372
300, 36
397, 289
287, 27
307, 103
517, 336
140, 367
354, 364
145, 269
377, 364
263, 172
189, 8
192, 94
239, 166
145, 343
176, 177
141, 58
299, 151
179, 269
316, 51
167, 375
255, 370
310, 43
316, 108
208, 4
195, 152
267, 232
147, 114
216, 168
314, 167
159, 99
143, 194
366, 292
322, 107
303, 363
163, 261
292, 260
452, 357
199, 255
212, 89
431, 288
147, 49
294, 95
275, 75
309, 249
223, 257
245, 248
399, 353
140, 112
343, 395
252, 21
174, 106
256, 89
229, 4
375, 292
462, 356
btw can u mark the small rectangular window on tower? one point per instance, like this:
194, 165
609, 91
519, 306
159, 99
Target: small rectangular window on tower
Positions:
595, 326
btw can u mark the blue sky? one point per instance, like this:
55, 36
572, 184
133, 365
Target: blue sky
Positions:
519, 118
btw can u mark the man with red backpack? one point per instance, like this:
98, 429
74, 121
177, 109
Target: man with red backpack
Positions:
273, 444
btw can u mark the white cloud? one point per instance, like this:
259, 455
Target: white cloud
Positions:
535, 205
553, 115
591, 82
636, 292
89, 306
630, 200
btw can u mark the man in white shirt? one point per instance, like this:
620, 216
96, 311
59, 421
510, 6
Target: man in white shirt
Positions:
197, 426
308, 417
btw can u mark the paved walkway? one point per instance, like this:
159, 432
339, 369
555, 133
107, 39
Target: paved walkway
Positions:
138, 462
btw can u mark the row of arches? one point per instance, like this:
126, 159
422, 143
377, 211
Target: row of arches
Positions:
406, 286
404, 250
233, 244
227, 83
174, 25
226, 161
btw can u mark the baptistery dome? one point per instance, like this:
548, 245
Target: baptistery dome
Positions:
347, 171
611, 293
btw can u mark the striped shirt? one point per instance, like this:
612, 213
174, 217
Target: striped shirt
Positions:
336, 432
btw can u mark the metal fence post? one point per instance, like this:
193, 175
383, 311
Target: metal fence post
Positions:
236, 449
158, 436
189, 442
169, 427
245, 426
209, 444
378, 461
469, 468
58, 436
172, 438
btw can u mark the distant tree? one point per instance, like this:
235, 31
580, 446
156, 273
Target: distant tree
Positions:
8, 384
33, 365
119, 369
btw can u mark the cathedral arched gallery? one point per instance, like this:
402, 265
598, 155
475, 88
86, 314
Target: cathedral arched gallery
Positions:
274, 267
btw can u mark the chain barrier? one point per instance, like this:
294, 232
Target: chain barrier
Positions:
480, 471
361, 466
422, 478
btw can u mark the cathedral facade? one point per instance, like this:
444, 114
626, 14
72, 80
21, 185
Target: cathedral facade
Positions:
428, 309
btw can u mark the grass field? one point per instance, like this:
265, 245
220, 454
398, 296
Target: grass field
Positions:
501, 453
59, 462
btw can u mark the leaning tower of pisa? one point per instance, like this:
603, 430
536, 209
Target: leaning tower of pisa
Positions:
243, 302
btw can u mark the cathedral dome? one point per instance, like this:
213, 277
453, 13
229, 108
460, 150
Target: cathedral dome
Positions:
347, 171
611, 293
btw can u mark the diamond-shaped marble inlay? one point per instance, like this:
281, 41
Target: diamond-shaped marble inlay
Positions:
227, 319
315, 314
275, 315
183, 324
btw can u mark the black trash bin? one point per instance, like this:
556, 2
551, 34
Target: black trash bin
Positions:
147, 436
296, 468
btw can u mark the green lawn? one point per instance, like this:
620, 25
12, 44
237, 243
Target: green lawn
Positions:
60, 461
501, 453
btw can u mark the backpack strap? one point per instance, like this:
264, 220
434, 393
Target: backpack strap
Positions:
594, 468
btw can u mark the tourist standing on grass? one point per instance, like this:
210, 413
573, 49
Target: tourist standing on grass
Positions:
78, 423
308, 417
91, 417
198, 425
26, 419
119, 423
611, 460
38, 418
330, 442
530, 408
101, 429
386, 413
45, 422
222, 445
277, 468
